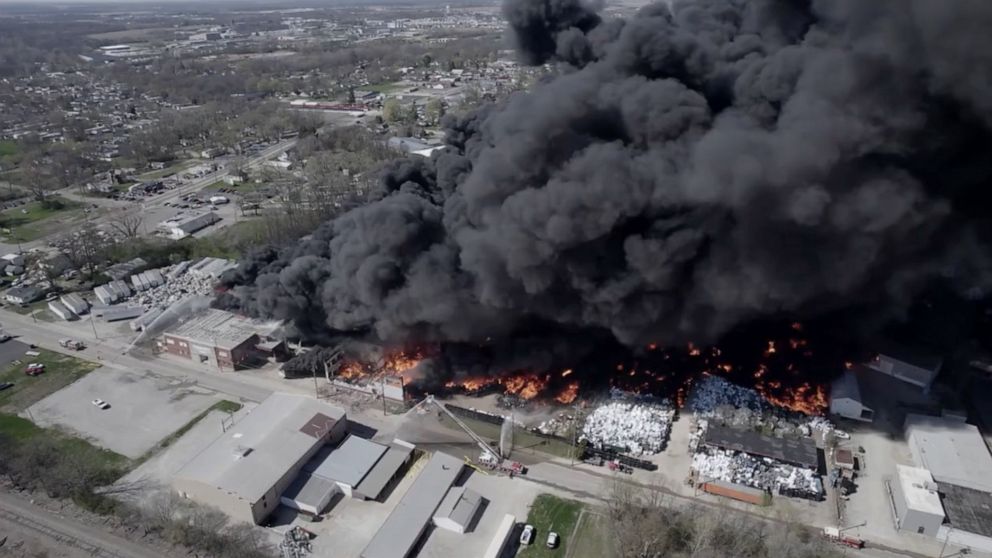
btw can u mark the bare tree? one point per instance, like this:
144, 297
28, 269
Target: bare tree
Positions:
128, 225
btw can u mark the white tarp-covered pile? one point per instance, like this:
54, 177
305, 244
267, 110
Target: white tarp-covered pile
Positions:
762, 473
640, 428
561, 425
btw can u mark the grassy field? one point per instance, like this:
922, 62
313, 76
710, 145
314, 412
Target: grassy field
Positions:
549, 513
60, 371
592, 538
522, 439
23, 430
387, 88
8, 147
177, 168
31, 221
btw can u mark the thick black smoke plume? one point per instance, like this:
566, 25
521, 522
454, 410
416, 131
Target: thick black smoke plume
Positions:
690, 169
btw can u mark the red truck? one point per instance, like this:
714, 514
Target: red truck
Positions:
834, 534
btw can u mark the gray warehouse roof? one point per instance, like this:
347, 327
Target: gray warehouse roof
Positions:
224, 330
403, 528
952, 450
846, 387
252, 456
380, 475
967, 509
459, 505
797, 452
310, 490
349, 462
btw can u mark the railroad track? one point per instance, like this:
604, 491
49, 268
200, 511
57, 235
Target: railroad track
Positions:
59, 536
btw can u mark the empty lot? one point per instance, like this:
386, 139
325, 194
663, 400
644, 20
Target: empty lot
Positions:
144, 409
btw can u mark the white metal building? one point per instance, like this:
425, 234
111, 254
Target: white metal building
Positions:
245, 472
181, 227
61, 310
953, 451
458, 509
915, 501
845, 398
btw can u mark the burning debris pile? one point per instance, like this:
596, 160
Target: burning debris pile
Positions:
765, 474
718, 400
636, 428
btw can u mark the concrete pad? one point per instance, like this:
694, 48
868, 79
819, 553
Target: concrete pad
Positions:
12, 350
144, 409
503, 495
349, 525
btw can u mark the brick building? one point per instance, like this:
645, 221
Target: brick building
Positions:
221, 339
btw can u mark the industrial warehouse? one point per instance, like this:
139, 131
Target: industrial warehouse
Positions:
223, 340
948, 495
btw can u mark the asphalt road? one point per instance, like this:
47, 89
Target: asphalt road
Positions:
66, 532
109, 353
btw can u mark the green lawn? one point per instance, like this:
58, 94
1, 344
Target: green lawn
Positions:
33, 220
387, 88
549, 513
8, 147
593, 538
23, 430
60, 371
167, 171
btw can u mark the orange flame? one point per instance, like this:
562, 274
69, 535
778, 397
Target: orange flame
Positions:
569, 394
771, 349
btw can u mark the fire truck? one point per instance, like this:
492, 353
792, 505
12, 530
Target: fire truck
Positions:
490, 457
834, 534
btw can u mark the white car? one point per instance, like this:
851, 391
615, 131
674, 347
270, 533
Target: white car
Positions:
552, 539
101, 404
527, 536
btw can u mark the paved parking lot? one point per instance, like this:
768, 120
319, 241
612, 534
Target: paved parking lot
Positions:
12, 350
144, 409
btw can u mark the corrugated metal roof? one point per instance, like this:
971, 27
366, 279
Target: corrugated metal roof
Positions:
404, 527
459, 505
349, 462
797, 452
310, 490
384, 471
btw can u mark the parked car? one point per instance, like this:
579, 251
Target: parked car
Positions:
553, 539
527, 535
34, 369
100, 404
6, 385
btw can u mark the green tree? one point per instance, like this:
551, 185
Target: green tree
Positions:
434, 111
392, 111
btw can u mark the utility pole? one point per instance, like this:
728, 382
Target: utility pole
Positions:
93, 323
383, 380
